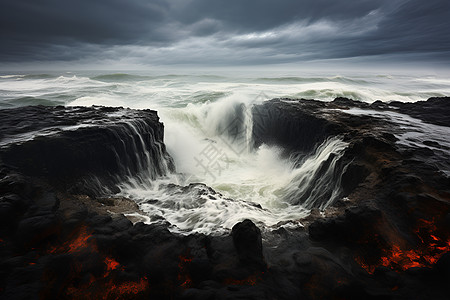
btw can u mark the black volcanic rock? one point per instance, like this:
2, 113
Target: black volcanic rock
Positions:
300, 126
350, 227
435, 110
353, 176
84, 150
248, 243
295, 125
346, 103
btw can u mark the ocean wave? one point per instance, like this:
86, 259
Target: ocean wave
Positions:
121, 77
294, 79
290, 79
102, 100
205, 96
39, 76
23, 101
11, 76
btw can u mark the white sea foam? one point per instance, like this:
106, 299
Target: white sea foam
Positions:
103, 100
244, 178
11, 76
256, 186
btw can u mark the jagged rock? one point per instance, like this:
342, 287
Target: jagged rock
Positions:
351, 227
248, 243
294, 125
83, 150
434, 110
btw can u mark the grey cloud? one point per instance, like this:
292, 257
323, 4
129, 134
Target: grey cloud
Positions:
219, 31
28, 27
412, 27
205, 27
94, 21
415, 27
256, 15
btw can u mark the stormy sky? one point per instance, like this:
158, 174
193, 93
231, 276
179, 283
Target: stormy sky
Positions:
223, 32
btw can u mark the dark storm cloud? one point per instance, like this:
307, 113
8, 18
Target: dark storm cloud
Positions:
28, 27
232, 31
94, 21
256, 15
417, 25
402, 27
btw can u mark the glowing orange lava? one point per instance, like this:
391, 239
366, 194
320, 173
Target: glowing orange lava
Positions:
427, 253
129, 287
111, 264
100, 287
80, 241
108, 289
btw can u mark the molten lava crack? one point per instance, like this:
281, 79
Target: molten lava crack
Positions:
427, 253
104, 286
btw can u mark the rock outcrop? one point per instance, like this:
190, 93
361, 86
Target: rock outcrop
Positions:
83, 150
386, 237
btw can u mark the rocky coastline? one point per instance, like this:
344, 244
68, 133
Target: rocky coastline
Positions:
64, 234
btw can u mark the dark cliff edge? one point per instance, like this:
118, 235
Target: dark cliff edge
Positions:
294, 125
386, 237
83, 150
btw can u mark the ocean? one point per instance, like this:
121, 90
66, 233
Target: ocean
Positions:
197, 110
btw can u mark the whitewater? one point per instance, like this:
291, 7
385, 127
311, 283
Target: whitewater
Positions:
220, 177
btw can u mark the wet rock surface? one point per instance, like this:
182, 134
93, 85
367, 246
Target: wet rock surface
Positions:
296, 126
83, 150
248, 244
388, 237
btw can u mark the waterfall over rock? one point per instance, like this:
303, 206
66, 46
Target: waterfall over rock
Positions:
84, 150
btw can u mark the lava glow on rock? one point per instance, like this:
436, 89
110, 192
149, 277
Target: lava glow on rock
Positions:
80, 240
427, 253
104, 286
